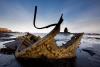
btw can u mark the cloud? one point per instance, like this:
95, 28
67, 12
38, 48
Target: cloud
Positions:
78, 16
87, 22
18, 18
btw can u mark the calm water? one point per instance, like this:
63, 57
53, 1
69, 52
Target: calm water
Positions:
84, 58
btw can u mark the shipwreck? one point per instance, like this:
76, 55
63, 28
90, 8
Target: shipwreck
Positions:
47, 47
45, 50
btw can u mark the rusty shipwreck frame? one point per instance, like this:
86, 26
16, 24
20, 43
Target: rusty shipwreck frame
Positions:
47, 47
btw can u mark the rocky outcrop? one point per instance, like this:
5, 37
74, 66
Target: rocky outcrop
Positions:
66, 30
4, 30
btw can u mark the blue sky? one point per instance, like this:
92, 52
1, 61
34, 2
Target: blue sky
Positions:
79, 15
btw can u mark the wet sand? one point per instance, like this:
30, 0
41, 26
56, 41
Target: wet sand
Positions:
83, 59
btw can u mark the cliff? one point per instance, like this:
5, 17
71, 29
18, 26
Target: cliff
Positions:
4, 30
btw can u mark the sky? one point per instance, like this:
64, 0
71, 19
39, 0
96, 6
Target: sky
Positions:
78, 15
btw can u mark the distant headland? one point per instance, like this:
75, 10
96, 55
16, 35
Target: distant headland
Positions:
4, 30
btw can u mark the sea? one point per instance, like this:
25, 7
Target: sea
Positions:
87, 55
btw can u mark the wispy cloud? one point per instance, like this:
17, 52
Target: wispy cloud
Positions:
88, 21
79, 15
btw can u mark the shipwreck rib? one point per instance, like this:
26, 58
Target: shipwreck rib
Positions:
35, 12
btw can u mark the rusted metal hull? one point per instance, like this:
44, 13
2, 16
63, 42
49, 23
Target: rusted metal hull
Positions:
49, 49
49, 55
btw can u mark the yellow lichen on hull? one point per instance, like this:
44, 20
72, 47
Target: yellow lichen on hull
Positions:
49, 50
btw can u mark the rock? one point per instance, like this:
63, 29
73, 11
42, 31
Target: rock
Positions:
89, 51
5, 35
65, 30
7, 51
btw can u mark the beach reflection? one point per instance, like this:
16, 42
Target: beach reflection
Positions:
47, 63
